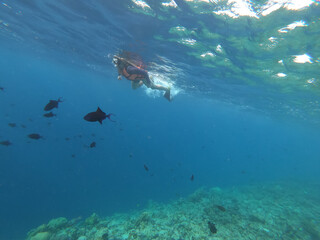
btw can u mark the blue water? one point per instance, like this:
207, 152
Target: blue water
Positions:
224, 131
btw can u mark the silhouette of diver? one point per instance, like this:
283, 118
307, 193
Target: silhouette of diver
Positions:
137, 75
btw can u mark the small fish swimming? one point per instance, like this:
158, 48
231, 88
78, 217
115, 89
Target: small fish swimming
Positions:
212, 227
97, 116
146, 168
52, 104
49, 115
221, 208
74, 221
1, 88
6, 143
35, 136
192, 177
105, 236
93, 144
12, 124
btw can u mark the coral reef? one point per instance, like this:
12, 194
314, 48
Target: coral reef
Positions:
270, 211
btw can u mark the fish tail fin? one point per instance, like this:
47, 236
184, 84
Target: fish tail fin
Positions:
109, 116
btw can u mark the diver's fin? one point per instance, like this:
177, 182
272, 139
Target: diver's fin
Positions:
167, 95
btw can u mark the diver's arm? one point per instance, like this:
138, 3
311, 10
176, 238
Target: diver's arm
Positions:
119, 73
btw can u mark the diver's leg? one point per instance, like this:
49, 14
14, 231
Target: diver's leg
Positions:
159, 87
148, 82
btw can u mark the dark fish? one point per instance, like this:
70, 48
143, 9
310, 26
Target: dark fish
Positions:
1, 88
212, 227
23, 126
52, 104
6, 143
73, 155
49, 115
221, 208
67, 139
93, 144
97, 116
74, 221
146, 168
12, 124
35, 136
192, 177
105, 236
130, 155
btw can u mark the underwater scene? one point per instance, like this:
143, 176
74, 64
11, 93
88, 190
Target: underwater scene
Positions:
160, 120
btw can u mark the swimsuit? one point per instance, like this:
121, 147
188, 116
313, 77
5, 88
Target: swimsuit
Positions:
136, 74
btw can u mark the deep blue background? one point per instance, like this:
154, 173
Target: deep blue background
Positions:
221, 145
